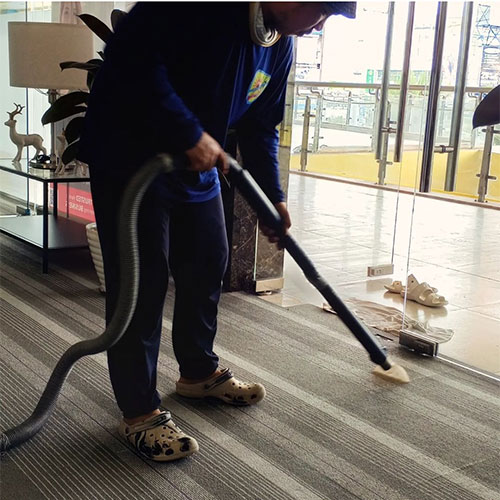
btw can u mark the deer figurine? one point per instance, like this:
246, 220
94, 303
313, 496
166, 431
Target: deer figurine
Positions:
23, 140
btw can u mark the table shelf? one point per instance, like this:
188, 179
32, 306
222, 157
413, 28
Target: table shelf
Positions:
62, 232
46, 231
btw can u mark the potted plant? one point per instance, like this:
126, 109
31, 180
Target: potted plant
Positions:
75, 103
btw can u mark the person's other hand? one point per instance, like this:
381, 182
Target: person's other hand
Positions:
206, 154
272, 235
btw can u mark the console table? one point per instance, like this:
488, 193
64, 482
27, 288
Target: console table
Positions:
47, 231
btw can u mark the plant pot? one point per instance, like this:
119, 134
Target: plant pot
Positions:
95, 252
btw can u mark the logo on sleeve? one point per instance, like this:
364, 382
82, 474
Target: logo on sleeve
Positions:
258, 85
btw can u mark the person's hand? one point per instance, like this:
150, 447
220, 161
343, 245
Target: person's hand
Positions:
272, 235
207, 153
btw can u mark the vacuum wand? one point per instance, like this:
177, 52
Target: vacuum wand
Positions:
268, 214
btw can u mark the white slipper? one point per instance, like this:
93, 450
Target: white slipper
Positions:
423, 293
398, 287
226, 388
395, 287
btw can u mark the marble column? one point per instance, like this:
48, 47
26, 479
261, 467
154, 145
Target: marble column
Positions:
241, 226
255, 265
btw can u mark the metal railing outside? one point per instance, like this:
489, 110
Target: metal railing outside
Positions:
354, 107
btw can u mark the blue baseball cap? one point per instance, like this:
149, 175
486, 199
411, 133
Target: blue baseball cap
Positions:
347, 9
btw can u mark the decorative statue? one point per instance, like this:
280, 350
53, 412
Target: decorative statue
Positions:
61, 146
23, 140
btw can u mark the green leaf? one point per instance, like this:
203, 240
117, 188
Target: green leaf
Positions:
116, 18
62, 110
77, 97
70, 152
74, 129
65, 106
88, 66
95, 61
97, 26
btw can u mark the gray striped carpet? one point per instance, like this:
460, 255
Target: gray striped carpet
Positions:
327, 430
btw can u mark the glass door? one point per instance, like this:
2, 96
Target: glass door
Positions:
451, 258
347, 199
387, 167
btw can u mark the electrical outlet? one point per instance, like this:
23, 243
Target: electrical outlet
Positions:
380, 270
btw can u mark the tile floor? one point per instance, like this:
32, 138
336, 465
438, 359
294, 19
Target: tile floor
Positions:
344, 228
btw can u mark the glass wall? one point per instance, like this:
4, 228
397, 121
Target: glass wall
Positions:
364, 211
343, 90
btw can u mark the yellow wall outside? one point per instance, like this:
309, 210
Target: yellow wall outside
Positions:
362, 166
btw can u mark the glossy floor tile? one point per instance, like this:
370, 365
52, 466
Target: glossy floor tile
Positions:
454, 247
476, 340
491, 310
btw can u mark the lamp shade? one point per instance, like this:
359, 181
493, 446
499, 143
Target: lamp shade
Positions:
36, 49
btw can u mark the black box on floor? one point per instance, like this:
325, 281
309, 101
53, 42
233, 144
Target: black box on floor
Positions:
418, 343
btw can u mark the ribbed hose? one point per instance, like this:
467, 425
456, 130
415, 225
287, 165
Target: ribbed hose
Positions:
127, 299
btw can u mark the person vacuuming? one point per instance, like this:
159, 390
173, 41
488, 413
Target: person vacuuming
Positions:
174, 82
176, 77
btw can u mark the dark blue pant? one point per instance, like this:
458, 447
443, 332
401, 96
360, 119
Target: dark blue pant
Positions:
189, 239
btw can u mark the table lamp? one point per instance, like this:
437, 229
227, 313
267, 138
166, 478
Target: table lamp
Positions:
35, 51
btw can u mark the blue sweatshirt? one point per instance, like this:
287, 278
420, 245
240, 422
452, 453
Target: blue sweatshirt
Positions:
174, 70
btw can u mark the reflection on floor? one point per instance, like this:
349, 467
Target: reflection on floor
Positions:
345, 228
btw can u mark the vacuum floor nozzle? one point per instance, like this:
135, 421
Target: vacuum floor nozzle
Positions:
395, 373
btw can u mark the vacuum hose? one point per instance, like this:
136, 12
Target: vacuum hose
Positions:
129, 285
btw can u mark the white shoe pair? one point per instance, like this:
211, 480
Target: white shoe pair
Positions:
422, 293
159, 439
